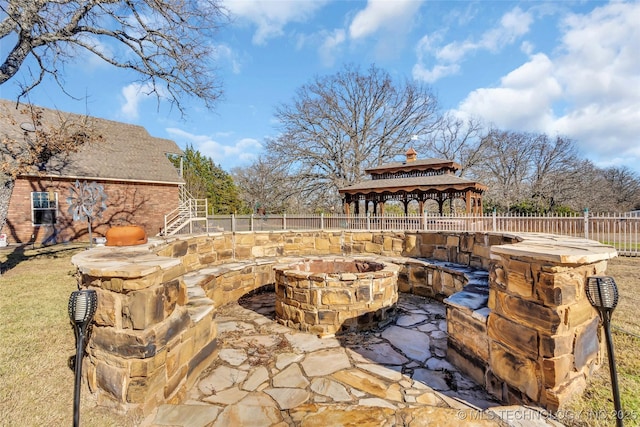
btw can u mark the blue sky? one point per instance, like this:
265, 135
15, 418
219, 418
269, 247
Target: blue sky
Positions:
567, 67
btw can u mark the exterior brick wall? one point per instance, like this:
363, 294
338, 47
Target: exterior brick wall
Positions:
142, 204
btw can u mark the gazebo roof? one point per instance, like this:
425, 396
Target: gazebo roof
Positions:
423, 164
421, 184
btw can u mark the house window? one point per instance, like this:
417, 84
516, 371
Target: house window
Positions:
44, 207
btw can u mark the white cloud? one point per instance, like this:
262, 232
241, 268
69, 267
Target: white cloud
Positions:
527, 47
523, 99
133, 94
448, 58
222, 52
513, 25
331, 45
270, 17
382, 14
243, 151
600, 54
437, 72
587, 89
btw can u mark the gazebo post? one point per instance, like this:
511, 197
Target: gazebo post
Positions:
440, 204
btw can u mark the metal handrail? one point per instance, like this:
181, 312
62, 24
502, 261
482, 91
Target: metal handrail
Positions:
195, 209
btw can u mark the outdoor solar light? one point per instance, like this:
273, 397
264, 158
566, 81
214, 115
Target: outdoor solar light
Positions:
602, 293
82, 307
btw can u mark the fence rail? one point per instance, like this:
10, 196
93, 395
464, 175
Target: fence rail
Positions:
619, 230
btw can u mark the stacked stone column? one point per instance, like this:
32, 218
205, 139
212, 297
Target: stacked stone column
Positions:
147, 345
543, 333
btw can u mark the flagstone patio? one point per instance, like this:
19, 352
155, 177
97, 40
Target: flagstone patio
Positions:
269, 375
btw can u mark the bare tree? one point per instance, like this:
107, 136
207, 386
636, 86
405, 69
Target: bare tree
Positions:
338, 125
43, 142
588, 188
459, 140
264, 186
165, 42
624, 188
505, 168
536, 173
552, 171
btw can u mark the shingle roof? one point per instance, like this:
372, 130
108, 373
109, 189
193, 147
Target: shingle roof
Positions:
422, 182
125, 153
418, 164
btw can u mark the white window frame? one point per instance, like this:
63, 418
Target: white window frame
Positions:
52, 205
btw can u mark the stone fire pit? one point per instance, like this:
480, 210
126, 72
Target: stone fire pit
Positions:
331, 295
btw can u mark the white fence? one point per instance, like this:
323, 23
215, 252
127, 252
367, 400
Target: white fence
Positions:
619, 230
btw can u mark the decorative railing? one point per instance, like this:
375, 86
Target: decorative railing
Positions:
620, 230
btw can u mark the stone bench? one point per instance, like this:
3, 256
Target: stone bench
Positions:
465, 291
225, 283
467, 316
154, 331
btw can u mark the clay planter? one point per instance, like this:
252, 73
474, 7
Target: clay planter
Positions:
126, 235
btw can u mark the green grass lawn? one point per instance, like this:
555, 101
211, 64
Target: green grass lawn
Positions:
36, 341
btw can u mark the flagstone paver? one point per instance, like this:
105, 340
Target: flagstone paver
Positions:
272, 376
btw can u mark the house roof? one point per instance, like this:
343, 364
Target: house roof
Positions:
421, 183
125, 152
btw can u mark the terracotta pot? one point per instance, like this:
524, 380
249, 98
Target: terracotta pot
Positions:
126, 235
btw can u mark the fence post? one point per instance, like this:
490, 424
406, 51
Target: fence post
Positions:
284, 221
495, 221
368, 221
424, 220
321, 220
206, 215
251, 223
586, 223
233, 223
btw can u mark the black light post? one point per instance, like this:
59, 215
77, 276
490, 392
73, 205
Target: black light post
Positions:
82, 307
602, 293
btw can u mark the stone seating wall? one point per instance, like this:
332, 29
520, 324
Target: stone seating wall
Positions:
529, 337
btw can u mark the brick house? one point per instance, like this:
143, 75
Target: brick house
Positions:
140, 182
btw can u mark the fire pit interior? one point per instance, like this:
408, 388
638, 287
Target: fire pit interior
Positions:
331, 295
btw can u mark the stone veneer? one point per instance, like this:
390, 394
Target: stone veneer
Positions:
535, 342
330, 295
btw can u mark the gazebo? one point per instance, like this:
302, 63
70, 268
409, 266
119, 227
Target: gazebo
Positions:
413, 179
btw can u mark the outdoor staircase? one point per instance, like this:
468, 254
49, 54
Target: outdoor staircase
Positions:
188, 210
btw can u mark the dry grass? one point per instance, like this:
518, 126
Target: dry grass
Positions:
36, 341
595, 407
